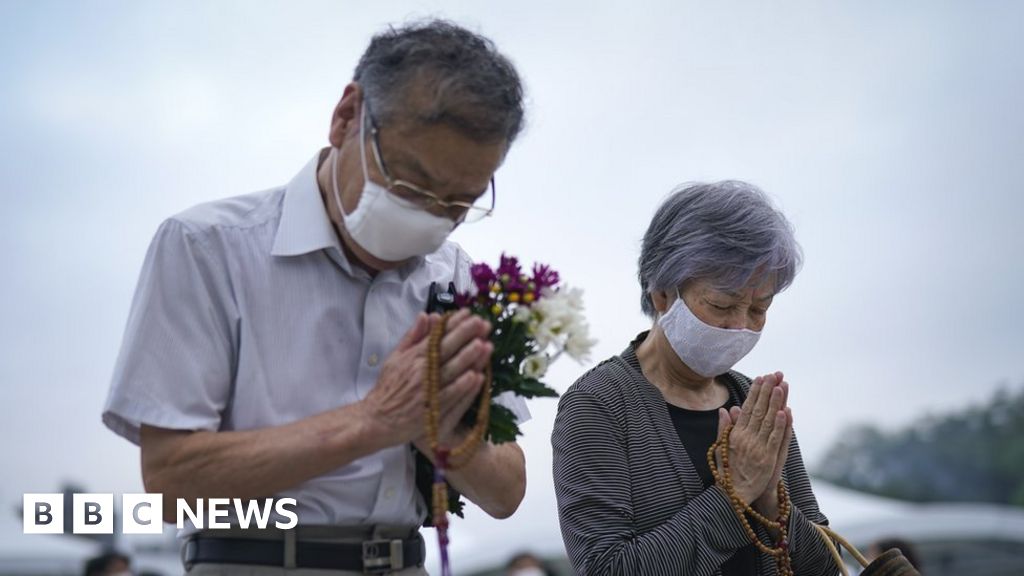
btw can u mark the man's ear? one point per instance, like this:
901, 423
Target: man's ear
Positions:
345, 119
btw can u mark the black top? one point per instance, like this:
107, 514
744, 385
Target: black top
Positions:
698, 430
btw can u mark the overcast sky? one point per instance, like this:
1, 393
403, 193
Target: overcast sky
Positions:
890, 133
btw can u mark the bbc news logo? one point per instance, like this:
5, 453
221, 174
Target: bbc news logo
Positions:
143, 513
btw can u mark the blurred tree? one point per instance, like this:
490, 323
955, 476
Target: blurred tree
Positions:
975, 455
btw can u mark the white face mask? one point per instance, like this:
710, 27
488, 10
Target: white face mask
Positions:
384, 225
707, 350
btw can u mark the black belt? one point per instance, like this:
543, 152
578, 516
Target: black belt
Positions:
370, 557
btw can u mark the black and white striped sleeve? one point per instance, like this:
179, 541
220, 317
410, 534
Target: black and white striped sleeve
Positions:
594, 480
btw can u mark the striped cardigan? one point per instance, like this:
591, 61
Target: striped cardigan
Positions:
629, 499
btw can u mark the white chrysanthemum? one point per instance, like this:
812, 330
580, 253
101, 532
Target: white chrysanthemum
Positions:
542, 332
557, 319
522, 314
579, 343
535, 366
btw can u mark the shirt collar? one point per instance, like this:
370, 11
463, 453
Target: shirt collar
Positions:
304, 226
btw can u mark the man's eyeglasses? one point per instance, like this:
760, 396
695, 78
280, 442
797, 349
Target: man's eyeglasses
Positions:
457, 210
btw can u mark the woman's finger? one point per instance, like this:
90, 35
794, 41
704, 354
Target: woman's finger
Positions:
775, 405
748, 404
778, 432
784, 449
760, 411
724, 420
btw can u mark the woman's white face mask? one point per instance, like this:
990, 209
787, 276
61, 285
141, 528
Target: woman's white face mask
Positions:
707, 350
384, 225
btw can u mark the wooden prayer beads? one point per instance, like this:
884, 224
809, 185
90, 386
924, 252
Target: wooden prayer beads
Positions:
723, 477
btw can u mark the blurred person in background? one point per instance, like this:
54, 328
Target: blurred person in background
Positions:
527, 564
876, 548
636, 494
108, 564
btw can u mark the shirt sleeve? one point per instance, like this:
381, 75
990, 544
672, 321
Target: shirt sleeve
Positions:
176, 363
463, 279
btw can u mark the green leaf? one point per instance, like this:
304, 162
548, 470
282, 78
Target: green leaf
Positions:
503, 426
533, 388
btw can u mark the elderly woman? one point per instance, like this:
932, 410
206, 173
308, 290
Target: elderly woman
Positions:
636, 492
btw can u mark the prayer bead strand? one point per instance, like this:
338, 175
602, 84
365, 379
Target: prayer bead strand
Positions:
723, 477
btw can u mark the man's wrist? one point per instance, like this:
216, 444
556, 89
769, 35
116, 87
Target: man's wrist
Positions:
371, 431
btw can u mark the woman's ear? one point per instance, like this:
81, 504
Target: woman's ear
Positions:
660, 300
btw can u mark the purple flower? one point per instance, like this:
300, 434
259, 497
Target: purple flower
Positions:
509, 266
515, 285
482, 277
543, 277
464, 299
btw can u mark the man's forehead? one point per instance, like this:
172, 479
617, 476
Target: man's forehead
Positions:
439, 158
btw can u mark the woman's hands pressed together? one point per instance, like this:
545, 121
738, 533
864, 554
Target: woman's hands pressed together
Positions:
759, 441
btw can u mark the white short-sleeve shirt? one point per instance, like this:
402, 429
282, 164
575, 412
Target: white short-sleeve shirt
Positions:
248, 315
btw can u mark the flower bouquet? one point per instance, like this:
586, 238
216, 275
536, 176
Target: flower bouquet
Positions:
534, 322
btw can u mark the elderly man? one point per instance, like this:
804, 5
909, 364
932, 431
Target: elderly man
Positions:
276, 342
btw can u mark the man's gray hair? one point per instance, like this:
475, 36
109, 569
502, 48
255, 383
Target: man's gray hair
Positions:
441, 73
726, 232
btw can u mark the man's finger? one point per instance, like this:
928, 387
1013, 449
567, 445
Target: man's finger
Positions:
473, 356
457, 336
464, 400
457, 399
420, 329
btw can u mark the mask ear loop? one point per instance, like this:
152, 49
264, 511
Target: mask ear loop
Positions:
362, 138
334, 181
362, 157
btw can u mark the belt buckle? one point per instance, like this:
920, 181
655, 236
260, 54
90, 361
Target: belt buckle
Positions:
382, 556
188, 553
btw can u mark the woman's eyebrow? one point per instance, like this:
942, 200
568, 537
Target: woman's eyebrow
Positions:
738, 296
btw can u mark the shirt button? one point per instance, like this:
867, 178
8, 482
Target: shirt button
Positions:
389, 493
372, 360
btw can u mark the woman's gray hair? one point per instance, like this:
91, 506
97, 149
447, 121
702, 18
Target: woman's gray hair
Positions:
725, 232
454, 77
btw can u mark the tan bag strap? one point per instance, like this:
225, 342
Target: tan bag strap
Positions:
892, 562
828, 535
